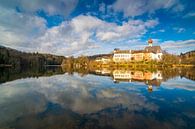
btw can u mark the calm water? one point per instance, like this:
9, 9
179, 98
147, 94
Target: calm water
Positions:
105, 99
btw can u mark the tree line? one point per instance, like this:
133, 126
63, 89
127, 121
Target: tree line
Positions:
19, 59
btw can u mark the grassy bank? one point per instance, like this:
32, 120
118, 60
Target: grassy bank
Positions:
136, 65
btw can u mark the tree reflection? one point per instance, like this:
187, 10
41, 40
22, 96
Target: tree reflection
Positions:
152, 77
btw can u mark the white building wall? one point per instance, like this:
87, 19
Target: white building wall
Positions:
157, 56
122, 57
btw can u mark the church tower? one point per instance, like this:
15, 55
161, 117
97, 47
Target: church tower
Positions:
150, 41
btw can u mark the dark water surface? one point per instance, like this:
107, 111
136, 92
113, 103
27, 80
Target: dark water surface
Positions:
100, 99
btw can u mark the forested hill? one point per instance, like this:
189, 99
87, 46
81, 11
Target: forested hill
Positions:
188, 54
188, 57
17, 58
100, 56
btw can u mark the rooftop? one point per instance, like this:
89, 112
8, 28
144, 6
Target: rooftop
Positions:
149, 49
154, 49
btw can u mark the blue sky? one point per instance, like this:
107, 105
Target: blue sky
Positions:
86, 27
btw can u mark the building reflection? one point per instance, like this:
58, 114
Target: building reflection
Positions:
149, 78
104, 72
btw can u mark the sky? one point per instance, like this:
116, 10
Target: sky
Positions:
88, 27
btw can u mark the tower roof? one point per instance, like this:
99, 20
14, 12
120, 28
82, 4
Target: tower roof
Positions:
150, 41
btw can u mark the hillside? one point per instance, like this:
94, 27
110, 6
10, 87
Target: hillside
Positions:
93, 57
188, 57
17, 58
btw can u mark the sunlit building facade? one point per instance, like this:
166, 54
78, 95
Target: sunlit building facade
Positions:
149, 53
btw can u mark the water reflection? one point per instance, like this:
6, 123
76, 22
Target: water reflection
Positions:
10, 74
95, 101
148, 77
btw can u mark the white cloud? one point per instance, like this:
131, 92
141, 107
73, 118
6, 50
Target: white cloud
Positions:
52, 7
179, 30
190, 14
64, 39
107, 35
175, 47
139, 7
79, 34
82, 33
102, 8
162, 30
17, 29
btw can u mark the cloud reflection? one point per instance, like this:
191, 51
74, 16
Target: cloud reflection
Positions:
73, 98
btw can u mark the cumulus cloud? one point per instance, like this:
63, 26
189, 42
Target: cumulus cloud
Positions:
52, 7
102, 7
139, 7
178, 46
64, 39
161, 31
179, 30
18, 29
190, 14
28, 32
81, 33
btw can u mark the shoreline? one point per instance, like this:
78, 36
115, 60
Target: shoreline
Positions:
5, 65
144, 65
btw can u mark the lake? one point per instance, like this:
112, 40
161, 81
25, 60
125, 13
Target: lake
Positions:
55, 98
